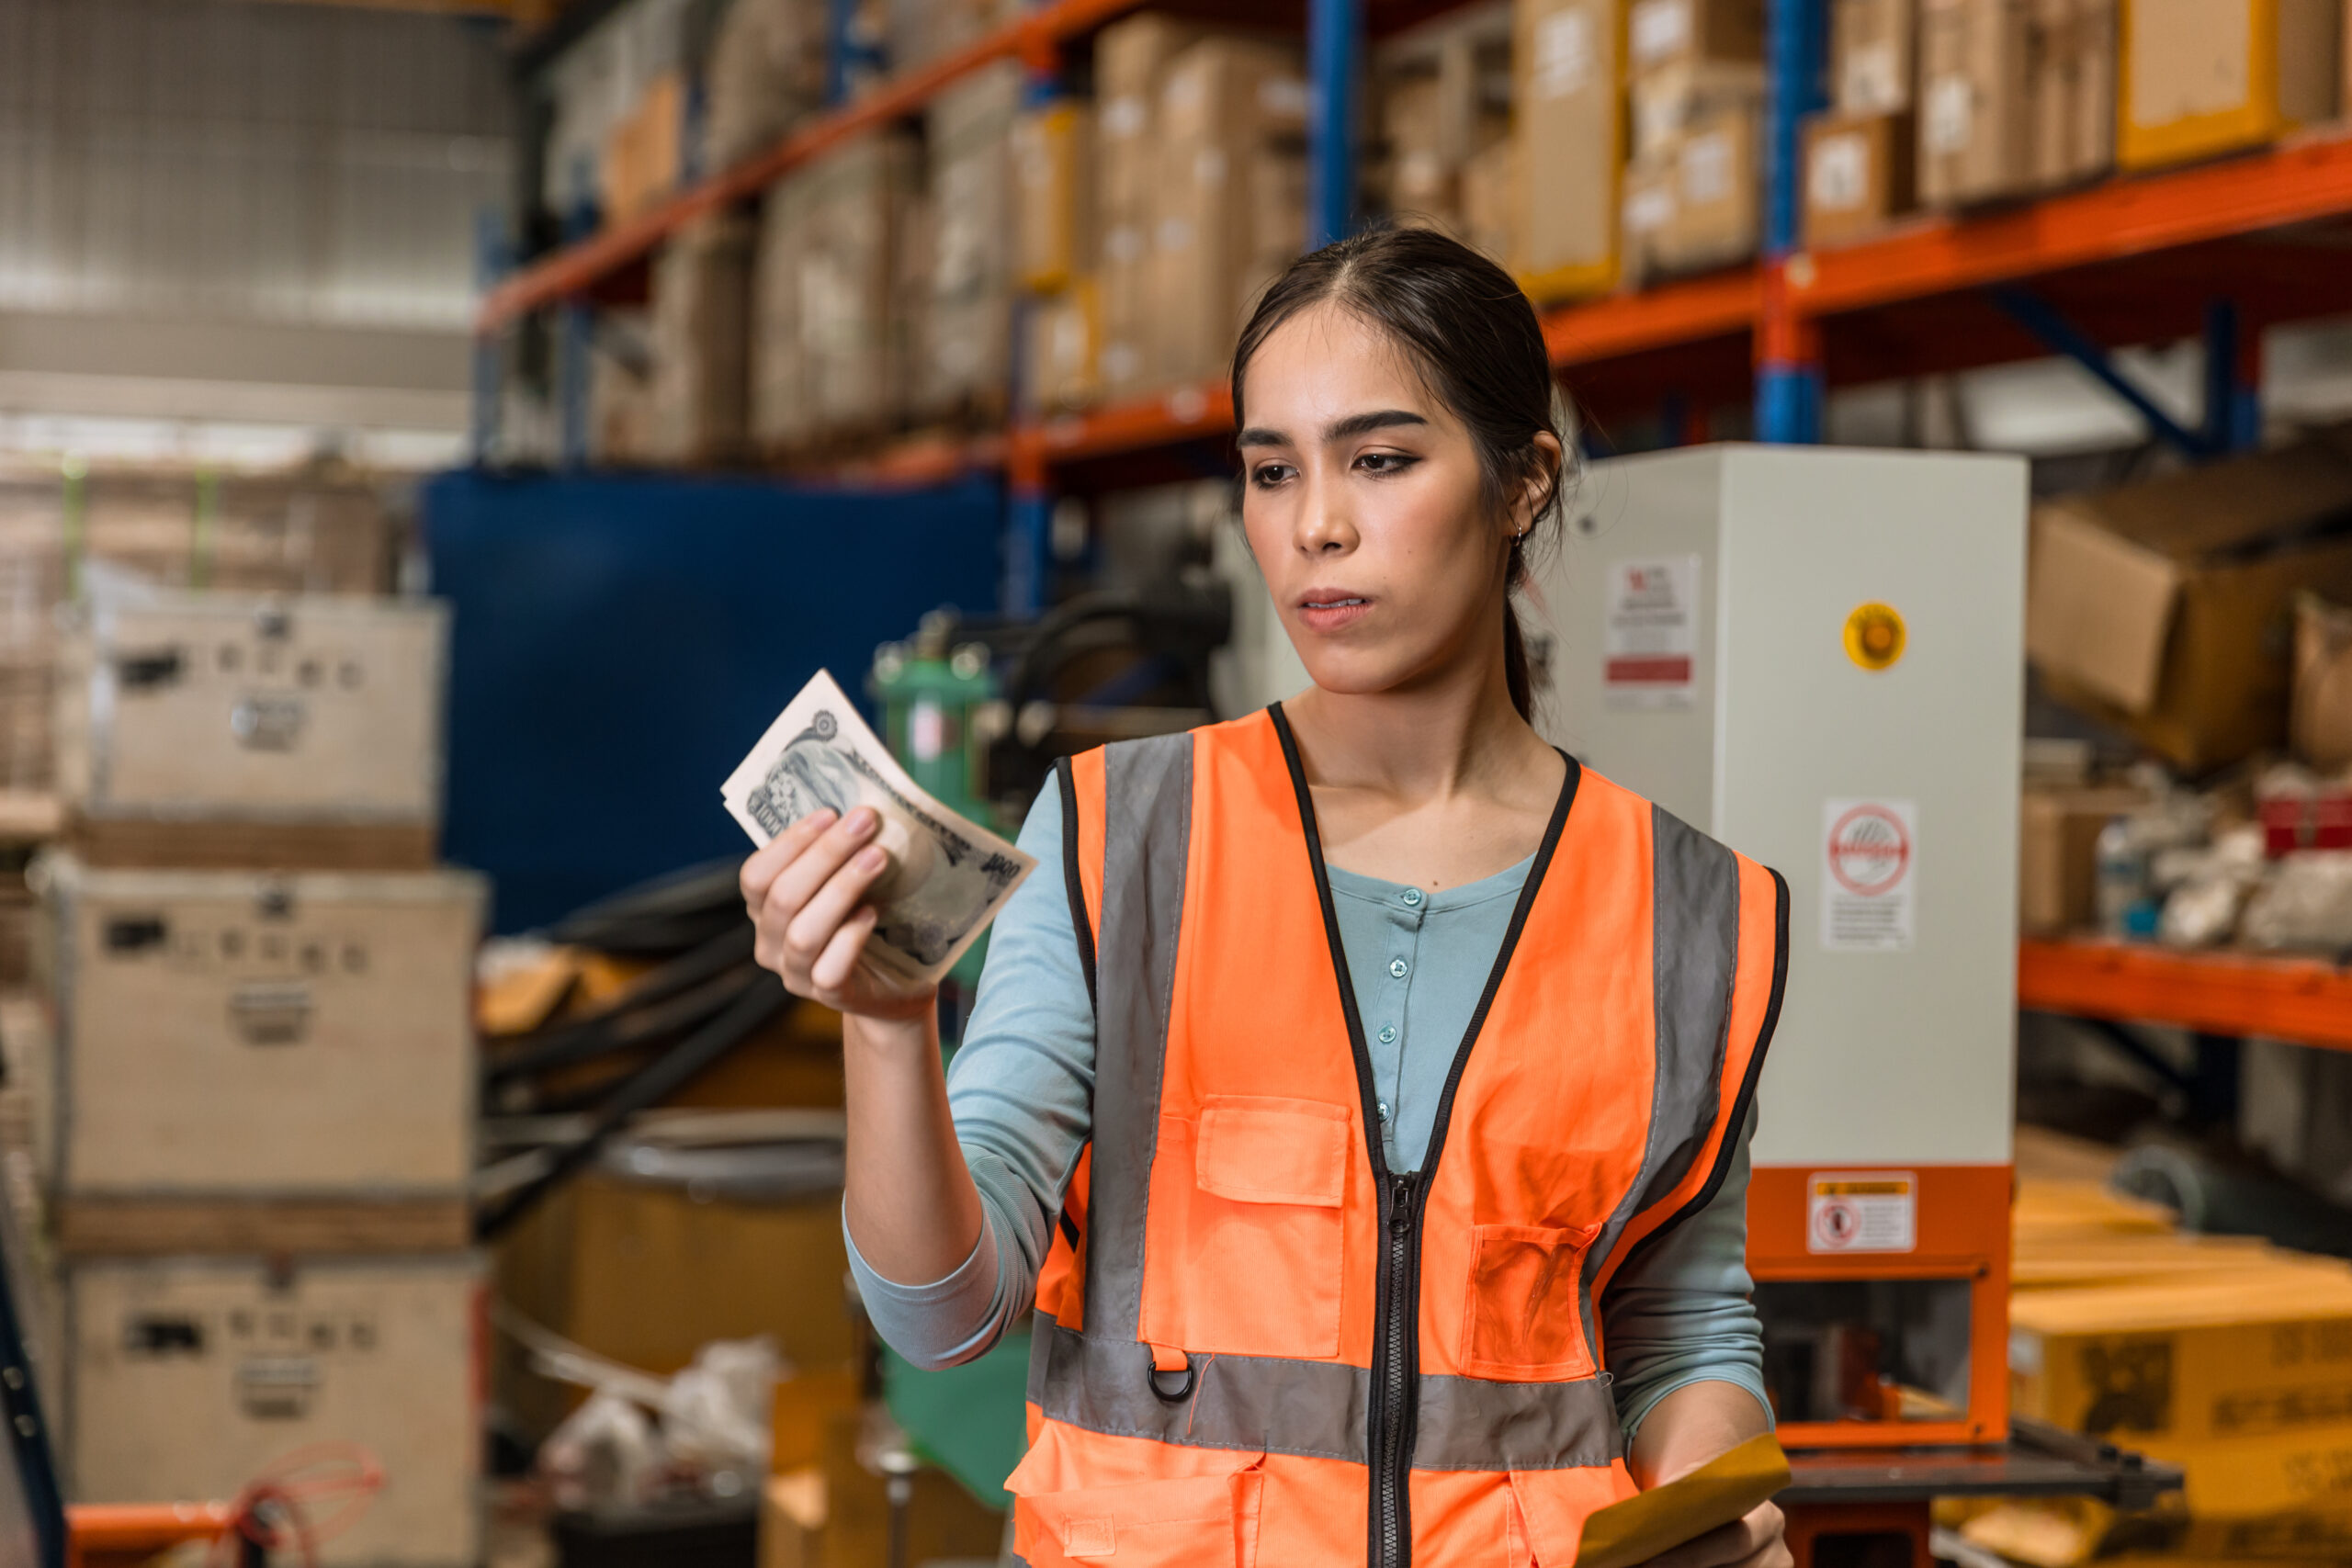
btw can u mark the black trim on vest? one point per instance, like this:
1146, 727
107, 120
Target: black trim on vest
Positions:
1395, 1335
1743, 1101
1073, 883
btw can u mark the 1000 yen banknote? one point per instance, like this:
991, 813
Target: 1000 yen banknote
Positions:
947, 876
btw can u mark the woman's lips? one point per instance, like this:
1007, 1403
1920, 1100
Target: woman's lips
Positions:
1328, 612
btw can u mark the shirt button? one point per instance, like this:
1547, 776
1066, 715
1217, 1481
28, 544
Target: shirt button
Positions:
1383, 1109
1397, 967
1388, 1035
1412, 896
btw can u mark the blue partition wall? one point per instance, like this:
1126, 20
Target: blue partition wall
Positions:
618, 643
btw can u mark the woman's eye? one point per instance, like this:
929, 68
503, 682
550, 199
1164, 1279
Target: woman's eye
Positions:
1267, 475
1385, 462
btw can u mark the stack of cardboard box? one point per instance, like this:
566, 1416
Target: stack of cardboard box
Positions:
2017, 96
1131, 63
1860, 158
1444, 112
253, 1076
2224, 1356
1055, 246
838, 293
2202, 77
700, 383
1201, 165
1230, 202
1694, 195
963, 366
1569, 130
766, 71
644, 156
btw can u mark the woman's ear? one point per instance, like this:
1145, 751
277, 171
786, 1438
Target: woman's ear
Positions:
1541, 485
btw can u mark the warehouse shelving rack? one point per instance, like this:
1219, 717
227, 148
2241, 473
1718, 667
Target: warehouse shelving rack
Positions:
2132, 259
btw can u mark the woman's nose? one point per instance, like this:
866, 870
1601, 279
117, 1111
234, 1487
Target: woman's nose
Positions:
1324, 525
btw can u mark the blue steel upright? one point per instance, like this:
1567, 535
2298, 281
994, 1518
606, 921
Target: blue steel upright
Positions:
1334, 68
1788, 385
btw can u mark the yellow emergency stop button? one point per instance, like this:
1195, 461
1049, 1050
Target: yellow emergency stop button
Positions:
1875, 635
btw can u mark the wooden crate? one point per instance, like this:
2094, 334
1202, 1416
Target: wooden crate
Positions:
216, 707
244, 1036
185, 1377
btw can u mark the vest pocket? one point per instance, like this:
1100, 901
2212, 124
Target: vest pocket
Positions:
1267, 1227
1549, 1508
1197, 1521
1525, 1318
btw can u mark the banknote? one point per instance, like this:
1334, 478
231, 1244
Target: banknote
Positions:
947, 876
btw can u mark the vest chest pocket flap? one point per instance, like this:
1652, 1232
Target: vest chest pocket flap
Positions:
1196, 1522
1262, 1251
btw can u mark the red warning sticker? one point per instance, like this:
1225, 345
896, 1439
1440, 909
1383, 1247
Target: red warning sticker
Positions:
1870, 849
1650, 637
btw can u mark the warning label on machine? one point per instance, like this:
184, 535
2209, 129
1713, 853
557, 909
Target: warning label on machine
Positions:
1650, 643
1870, 848
1874, 1210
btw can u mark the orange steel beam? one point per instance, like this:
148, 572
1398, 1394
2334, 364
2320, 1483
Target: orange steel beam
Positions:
1689, 312
574, 269
1184, 414
2303, 1000
114, 1535
2126, 217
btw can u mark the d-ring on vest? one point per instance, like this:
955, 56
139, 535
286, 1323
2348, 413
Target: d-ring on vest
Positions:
1257, 1344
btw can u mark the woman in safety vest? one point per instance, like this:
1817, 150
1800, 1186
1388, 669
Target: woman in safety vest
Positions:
1361, 1092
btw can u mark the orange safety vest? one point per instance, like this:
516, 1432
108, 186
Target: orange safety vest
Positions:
1257, 1344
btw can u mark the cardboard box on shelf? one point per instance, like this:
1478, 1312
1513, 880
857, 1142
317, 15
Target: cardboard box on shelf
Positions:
184, 717
1053, 154
943, 1521
1665, 105
1131, 62
792, 1518
1857, 175
2058, 853
2263, 1355
645, 154
1697, 204
1063, 329
1566, 60
783, 396
190, 1376
765, 72
1490, 211
1873, 55
1975, 112
853, 317
2320, 722
1232, 196
964, 367
2072, 62
1442, 104
191, 1007
2206, 76
701, 385
2165, 608
1661, 33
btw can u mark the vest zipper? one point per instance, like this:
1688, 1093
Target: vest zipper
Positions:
1399, 1314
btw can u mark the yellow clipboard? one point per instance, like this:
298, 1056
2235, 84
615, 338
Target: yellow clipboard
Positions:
1626, 1534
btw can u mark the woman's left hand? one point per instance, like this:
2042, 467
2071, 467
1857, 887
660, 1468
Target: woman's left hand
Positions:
1683, 1431
1757, 1539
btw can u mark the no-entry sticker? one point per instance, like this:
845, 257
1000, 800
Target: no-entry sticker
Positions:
1871, 852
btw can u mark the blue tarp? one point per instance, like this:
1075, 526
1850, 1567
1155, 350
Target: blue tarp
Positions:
619, 643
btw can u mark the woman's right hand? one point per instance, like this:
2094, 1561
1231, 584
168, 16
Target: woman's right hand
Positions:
804, 891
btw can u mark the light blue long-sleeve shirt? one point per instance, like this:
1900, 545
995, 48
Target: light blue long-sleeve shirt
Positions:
1022, 1086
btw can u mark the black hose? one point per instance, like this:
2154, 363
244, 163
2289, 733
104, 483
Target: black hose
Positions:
636, 1014
763, 999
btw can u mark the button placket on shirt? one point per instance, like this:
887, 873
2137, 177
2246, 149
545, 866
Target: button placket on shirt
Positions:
1405, 934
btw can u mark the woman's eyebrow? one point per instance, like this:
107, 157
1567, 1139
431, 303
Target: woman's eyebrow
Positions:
1365, 423
1258, 435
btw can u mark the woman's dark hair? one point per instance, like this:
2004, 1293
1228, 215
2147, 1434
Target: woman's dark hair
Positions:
1475, 339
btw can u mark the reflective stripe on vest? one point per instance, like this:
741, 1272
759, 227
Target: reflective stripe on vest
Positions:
1356, 1364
